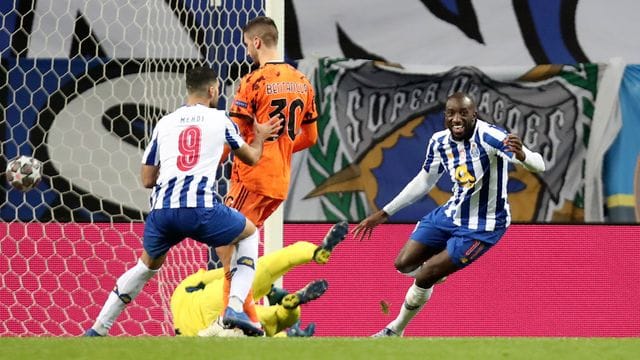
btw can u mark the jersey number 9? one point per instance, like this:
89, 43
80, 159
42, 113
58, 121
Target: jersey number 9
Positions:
189, 148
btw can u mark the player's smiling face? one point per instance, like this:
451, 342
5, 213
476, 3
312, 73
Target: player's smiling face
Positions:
460, 117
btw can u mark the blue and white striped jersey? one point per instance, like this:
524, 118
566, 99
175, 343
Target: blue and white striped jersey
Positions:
187, 145
478, 168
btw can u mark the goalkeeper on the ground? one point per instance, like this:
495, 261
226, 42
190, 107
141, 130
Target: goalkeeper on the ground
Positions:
197, 301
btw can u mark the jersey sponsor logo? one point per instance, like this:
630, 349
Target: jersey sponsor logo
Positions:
240, 103
464, 177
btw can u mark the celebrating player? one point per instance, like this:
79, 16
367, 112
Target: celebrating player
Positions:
274, 89
197, 301
475, 154
184, 151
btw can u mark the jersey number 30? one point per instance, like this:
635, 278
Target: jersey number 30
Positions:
280, 106
189, 148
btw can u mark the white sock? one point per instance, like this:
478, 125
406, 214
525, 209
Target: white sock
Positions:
245, 264
413, 302
128, 286
236, 303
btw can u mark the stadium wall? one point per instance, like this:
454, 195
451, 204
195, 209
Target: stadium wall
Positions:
540, 280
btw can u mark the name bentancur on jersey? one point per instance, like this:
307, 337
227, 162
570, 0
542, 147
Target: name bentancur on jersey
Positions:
285, 87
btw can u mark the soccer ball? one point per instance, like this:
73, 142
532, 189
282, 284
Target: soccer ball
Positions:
24, 172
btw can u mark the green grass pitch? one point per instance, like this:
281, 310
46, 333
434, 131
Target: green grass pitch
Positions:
318, 348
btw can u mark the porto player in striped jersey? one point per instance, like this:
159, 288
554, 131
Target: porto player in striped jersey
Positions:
475, 155
180, 164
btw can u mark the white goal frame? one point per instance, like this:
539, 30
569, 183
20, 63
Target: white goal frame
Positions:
274, 225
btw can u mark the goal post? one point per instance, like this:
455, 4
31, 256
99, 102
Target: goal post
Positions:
274, 225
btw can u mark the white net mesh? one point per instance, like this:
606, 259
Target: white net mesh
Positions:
85, 83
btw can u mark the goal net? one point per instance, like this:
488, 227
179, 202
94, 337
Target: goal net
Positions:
85, 83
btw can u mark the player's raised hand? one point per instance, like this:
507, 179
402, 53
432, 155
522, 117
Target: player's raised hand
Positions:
365, 228
251, 153
269, 129
514, 144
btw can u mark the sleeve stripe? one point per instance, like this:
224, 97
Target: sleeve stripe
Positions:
231, 140
152, 154
493, 141
433, 161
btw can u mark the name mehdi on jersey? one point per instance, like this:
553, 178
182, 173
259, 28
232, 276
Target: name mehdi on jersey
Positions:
191, 119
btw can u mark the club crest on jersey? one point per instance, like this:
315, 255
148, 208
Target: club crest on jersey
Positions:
475, 152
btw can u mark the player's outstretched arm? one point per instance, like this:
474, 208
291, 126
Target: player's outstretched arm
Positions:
414, 190
531, 160
251, 153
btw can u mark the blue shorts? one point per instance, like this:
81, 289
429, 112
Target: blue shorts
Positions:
216, 226
463, 245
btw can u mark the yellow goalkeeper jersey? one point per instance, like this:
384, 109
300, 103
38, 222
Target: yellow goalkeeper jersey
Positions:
197, 301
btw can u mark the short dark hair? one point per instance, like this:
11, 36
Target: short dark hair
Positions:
200, 78
263, 27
